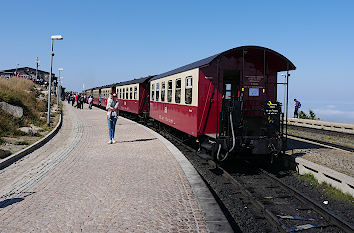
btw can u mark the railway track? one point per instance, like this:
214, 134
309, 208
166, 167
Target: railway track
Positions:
286, 208
322, 143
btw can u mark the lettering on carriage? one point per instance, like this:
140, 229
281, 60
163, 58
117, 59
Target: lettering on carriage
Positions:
166, 119
125, 103
165, 110
253, 81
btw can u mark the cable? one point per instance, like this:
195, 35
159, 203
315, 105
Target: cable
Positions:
233, 141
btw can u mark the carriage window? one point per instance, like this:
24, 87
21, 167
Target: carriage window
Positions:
127, 93
227, 91
152, 92
120, 93
123, 93
135, 93
163, 91
131, 93
157, 91
178, 91
188, 97
169, 91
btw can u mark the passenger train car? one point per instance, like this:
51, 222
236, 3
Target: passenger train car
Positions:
133, 96
228, 101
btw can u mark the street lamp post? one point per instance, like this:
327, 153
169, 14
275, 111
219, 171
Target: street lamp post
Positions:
37, 64
59, 86
56, 37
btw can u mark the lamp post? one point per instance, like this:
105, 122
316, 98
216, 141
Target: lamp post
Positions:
59, 86
37, 64
56, 37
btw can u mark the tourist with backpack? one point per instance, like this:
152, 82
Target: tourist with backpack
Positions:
297, 106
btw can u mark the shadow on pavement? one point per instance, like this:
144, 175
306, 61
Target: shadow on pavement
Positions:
139, 140
7, 202
10, 201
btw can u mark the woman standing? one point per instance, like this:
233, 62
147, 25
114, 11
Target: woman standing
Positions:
112, 106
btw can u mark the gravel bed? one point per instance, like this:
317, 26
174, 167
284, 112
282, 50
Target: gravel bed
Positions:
243, 213
343, 139
337, 160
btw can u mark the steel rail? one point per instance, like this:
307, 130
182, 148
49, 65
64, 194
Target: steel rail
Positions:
324, 143
329, 215
272, 219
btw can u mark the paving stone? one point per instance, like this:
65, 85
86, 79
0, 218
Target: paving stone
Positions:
77, 182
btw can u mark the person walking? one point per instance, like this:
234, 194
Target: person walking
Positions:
82, 102
90, 102
297, 106
72, 99
112, 107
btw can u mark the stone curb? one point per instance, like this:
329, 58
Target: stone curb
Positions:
214, 217
20, 154
324, 174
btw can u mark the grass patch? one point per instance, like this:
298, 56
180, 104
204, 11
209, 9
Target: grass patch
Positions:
2, 141
328, 189
22, 143
23, 93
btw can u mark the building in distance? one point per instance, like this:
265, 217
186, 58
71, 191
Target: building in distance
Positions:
28, 73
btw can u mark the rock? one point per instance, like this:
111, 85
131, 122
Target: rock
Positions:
28, 130
4, 153
11, 109
36, 127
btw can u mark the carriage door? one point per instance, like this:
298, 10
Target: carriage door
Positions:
231, 101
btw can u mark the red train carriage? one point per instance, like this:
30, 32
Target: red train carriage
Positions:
230, 97
133, 95
101, 94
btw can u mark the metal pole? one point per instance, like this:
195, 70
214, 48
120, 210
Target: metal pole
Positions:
50, 83
37, 60
58, 87
287, 103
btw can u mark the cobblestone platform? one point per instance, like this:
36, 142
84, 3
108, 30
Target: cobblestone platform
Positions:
79, 183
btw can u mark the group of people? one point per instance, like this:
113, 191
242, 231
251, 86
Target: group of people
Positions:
76, 98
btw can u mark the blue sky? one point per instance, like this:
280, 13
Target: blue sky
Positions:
111, 41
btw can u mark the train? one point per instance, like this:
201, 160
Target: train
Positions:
227, 102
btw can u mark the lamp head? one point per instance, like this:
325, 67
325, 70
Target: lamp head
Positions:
57, 37
61, 69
